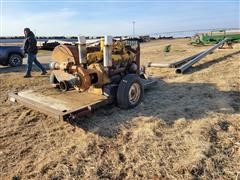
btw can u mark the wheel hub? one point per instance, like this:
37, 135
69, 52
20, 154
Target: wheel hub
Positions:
15, 61
134, 93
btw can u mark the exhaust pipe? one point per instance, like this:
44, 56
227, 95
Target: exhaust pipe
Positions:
107, 51
82, 50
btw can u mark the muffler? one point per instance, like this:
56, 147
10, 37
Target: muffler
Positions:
107, 52
82, 50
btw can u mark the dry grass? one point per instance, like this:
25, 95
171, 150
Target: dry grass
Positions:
187, 127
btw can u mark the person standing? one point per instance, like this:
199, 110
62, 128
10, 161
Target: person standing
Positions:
30, 47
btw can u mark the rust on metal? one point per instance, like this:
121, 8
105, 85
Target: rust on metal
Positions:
66, 53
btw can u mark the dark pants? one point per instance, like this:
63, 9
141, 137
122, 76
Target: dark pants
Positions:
32, 58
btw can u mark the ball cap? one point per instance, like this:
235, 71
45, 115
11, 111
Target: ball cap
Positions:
27, 29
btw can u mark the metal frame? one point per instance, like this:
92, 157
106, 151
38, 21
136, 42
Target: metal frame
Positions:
82, 110
68, 115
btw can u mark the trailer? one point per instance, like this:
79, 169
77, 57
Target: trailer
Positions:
85, 78
215, 37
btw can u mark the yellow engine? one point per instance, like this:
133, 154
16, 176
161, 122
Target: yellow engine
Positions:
82, 66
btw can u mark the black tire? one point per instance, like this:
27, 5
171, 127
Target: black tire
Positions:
15, 60
130, 92
63, 86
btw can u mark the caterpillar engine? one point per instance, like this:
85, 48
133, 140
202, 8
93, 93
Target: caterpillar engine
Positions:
96, 65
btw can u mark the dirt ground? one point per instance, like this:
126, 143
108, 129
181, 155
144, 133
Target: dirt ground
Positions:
187, 127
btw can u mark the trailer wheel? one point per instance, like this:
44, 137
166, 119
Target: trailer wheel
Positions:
130, 91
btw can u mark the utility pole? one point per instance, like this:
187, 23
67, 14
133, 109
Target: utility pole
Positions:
133, 23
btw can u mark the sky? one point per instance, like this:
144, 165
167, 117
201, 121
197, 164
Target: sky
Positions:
115, 17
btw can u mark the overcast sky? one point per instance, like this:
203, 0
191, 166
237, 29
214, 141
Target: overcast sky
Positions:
95, 17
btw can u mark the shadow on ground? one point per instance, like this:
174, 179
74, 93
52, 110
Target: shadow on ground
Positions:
167, 102
8, 69
210, 63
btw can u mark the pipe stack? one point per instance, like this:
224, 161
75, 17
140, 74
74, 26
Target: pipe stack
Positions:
184, 67
189, 61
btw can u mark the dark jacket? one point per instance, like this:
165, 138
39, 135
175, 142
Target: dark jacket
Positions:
30, 43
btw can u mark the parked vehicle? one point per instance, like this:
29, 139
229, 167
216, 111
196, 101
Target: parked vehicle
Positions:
11, 55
